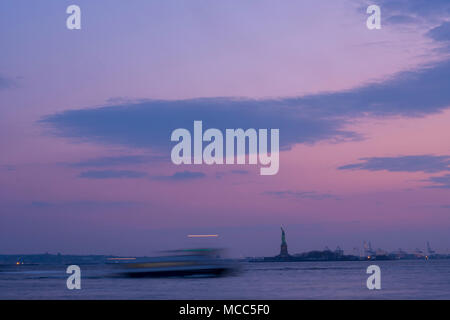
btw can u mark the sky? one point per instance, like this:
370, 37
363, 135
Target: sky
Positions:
86, 117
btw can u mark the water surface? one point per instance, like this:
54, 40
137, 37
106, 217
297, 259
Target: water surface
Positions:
277, 280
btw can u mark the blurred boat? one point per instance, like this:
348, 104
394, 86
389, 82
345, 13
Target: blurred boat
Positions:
179, 263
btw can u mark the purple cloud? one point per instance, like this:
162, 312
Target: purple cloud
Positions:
419, 163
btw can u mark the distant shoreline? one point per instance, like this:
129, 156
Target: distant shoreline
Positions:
313, 256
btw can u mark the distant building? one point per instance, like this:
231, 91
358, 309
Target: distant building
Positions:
429, 250
368, 251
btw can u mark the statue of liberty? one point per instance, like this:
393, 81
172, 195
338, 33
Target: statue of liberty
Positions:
283, 250
283, 236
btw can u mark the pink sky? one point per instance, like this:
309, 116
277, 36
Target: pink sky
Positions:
211, 50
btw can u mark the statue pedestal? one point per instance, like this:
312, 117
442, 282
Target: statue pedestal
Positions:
283, 250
